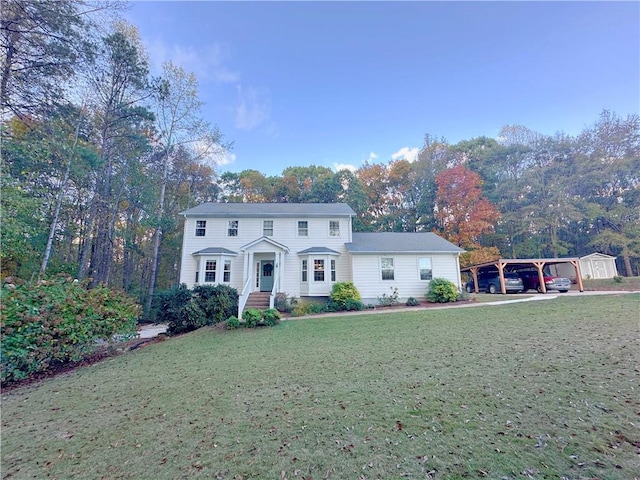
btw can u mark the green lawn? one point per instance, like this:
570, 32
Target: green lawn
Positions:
544, 389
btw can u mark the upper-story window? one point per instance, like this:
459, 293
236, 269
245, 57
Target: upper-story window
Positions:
201, 228
386, 268
232, 230
334, 228
267, 228
303, 228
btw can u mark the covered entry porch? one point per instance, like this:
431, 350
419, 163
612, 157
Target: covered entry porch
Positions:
263, 269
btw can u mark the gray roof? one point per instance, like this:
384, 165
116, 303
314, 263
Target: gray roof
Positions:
237, 210
398, 242
214, 251
318, 250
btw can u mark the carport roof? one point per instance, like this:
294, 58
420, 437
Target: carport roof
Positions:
521, 261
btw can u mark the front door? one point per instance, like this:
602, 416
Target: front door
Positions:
266, 275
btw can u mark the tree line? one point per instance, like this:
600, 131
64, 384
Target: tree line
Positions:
522, 195
99, 157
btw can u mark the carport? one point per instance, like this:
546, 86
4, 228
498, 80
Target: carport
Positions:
516, 264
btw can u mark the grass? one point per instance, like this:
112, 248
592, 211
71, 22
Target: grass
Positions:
545, 389
624, 284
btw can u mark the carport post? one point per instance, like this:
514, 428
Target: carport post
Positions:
474, 274
503, 288
540, 266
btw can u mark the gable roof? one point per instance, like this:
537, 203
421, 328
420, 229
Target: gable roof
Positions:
400, 242
596, 255
265, 240
237, 210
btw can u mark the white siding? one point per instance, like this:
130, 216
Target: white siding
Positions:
285, 232
367, 275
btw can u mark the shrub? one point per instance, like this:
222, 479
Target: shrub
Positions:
55, 322
283, 303
618, 279
412, 302
343, 292
351, 305
217, 303
388, 300
311, 308
442, 290
251, 317
233, 323
184, 310
271, 317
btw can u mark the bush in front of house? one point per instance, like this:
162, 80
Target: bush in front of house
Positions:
233, 323
51, 323
343, 292
185, 310
251, 317
283, 303
412, 302
442, 290
217, 302
271, 317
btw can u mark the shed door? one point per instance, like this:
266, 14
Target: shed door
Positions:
599, 269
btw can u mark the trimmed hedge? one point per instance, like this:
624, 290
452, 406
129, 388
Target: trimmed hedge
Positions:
184, 310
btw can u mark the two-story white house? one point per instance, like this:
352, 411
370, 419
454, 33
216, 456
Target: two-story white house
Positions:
302, 249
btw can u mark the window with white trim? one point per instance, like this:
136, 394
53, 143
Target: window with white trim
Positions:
303, 228
210, 271
201, 228
226, 273
334, 228
232, 231
318, 270
386, 268
267, 228
304, 270
424, 264
333, 270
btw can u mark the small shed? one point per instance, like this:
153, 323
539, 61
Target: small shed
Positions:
598, 265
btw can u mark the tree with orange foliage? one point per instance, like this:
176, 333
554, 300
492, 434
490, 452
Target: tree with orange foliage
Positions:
462, 213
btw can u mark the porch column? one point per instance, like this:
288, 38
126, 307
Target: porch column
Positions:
280, 261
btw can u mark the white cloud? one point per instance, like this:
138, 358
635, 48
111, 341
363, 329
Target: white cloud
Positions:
253, 108
406, 153
207, 63
344, 166
213, 155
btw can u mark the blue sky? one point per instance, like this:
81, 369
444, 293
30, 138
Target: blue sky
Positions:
342, 83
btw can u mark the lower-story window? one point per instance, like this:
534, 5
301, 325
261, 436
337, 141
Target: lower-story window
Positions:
210, 271
318, 270
226, 274
425, 268
304, 270
386, 268
333, 270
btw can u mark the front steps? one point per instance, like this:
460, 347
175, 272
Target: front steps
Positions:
259, 300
